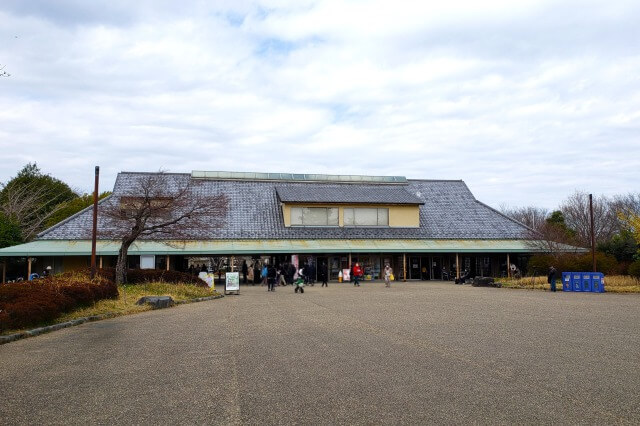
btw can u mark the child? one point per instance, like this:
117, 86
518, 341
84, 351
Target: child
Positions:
299, 283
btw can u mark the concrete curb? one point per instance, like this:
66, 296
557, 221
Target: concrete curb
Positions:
42, 330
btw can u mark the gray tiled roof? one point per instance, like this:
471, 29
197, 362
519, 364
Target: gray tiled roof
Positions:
449, 212
347, 193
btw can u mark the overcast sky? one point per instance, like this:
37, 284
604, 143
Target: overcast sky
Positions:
525, 103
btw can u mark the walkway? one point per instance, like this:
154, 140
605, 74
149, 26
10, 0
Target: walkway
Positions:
416, 353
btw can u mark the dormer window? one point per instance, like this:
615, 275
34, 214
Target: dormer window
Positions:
314, 216
362, 216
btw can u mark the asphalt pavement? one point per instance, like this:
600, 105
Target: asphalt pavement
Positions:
416, 353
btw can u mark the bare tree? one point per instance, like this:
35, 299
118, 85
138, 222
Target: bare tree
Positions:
162, 207
576, 212
533, 217
23, 203
551, 238
624, 206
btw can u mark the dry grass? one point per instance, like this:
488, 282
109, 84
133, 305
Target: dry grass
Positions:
126, 302
612, 284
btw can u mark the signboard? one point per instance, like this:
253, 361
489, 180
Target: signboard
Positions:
232, 281
147, 261
207, 277
346, 274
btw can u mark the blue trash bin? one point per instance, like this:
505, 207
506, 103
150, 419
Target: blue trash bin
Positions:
597, 282
576, 281
566, 281
585, 282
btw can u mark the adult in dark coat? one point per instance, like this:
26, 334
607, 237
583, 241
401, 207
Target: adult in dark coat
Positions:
551, 278
256, 273
245, 270
322, 274
312, 274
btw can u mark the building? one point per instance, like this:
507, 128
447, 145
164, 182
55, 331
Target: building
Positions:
426, 229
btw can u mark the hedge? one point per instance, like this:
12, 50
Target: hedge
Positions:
30, 303
139, 276
634, 269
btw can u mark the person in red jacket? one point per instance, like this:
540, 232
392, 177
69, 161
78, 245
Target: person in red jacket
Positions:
357, 273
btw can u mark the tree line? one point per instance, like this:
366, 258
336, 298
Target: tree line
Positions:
32, 201
616, 229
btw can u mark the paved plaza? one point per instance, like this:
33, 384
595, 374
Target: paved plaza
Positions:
427, 352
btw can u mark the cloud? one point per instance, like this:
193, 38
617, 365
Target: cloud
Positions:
525, 102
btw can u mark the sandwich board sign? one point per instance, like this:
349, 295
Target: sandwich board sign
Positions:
232, 282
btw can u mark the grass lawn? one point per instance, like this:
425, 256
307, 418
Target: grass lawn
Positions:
612, 284
126, 302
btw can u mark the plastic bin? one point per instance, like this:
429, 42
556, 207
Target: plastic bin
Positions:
566, 281
585, 282
576, 281
597, 282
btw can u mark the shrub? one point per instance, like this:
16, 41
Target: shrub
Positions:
634, 269
139, 276
33, 302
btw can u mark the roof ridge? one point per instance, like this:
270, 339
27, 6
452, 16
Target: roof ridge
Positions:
435, 180
154, 173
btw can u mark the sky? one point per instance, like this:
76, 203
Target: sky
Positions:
525, 101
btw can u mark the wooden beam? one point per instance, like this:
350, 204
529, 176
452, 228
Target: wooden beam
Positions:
168, 259
100, 260
404, 267
457, 265
28, 268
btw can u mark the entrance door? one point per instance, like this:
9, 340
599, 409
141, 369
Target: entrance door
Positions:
436, 267
414, 268
425, 271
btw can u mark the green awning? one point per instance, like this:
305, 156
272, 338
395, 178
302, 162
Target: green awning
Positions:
214, 247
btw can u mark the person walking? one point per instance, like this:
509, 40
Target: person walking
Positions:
245, 270
312, 274
263, 274
551, 279
250, 272
322, 274
271, 278
299, 282
387, 275
357, 273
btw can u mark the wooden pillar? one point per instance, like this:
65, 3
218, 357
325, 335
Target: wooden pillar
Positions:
100, 262
232, 263
349, 261
28, 268
457, 265
508, 266
404, 267
168, 258
4, 271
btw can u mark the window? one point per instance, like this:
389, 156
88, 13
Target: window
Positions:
366, 217
314, 216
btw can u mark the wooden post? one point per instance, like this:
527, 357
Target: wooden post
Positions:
404, 267
233, 263
100, 262
94, 230
168, 262
508, 266
28, 268
457, 265
349, 265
